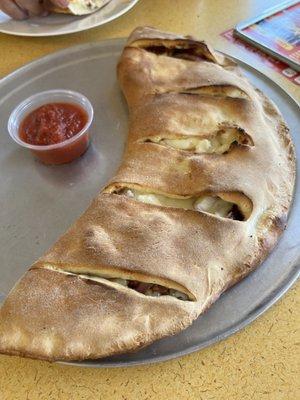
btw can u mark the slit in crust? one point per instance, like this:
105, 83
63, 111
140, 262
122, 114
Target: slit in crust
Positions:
217, 91
231, 205
149, 286
189, 53
221, 142
183, 49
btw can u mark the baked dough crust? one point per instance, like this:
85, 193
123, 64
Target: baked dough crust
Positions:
60, 311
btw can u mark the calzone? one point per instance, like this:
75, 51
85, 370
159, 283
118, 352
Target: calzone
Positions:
200, 199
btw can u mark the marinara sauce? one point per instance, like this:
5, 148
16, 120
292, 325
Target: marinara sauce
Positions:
55, 123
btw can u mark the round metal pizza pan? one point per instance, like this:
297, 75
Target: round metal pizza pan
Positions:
38, 202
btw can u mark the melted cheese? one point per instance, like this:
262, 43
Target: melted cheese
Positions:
210, 204
213, 205
218, 144
161, 200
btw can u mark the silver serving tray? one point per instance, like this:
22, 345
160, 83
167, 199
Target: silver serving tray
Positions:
38, 203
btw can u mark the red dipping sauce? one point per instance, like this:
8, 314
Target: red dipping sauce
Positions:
55, 123
52, 123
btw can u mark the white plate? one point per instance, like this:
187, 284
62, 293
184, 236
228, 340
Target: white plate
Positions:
61, 24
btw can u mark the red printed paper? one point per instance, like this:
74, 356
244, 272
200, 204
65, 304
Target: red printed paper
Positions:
281, 33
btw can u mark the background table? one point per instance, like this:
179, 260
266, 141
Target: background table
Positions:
260, 362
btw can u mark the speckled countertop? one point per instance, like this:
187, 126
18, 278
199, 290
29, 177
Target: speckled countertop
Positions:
260, 362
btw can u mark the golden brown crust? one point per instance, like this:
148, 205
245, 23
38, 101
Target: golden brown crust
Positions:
147, 36
53, 316
120, 233
200, 254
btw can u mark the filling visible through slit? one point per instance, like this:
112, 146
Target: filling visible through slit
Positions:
189, 53
220, 143
217, 204
184, 49
217, 91
150, 289
145, 288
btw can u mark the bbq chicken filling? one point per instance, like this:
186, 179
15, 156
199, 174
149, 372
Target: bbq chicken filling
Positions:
188, 53
150, 289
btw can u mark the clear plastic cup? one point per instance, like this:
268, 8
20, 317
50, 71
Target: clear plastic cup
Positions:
59, 153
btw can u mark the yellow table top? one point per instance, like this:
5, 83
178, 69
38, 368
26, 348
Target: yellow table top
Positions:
260, 362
